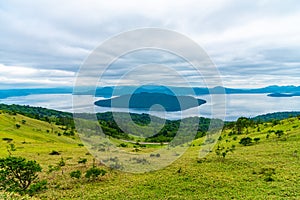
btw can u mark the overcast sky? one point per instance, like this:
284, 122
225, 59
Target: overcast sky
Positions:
252, 43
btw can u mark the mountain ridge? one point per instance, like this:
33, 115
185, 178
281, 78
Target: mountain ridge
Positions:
109, 91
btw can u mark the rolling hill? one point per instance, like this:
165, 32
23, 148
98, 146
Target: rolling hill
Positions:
265, 168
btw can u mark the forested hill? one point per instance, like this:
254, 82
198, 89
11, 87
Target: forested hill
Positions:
39, 113
276, 116
110, 127
106, 120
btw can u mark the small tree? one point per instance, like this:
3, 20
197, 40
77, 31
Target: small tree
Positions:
19, 175
11, 148
61, 164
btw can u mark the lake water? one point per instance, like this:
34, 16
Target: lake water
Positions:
237, 105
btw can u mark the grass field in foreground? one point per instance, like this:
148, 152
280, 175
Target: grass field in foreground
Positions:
238, 176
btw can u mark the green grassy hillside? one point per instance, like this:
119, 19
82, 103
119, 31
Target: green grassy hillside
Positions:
267, 168
36, 139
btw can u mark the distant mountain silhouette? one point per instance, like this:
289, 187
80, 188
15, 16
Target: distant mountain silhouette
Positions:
109, 91
145, 100
184, 91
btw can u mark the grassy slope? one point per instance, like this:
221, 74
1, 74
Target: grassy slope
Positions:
32, 140
235, 177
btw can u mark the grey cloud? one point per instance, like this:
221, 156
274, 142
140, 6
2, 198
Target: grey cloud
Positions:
245, 39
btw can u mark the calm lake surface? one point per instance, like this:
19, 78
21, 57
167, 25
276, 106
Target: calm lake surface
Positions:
247, 105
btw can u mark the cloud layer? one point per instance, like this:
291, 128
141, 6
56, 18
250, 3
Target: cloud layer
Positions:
253, 43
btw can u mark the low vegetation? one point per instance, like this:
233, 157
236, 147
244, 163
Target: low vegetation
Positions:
251, 160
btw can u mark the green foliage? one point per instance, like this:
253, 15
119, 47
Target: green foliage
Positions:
75, 174
19, 175
107, 123
256, 140
82, 161
52, 168
233, 175
7, 139
11, 148
267, 173
62, 162
123, 145
279, 133
278, 116
222, 151
48, 115
53, 152
18, 126
37, 187
94, 173
246, 141
58, 166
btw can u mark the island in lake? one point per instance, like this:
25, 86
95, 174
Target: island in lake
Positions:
283, 94
146, 100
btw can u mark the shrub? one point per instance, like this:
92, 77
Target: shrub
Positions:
94, 172
75, 174
19, 175
18, 126
246, 141
7, 139
52, 168
155, 155
53, 152
39, 186
279, 133
141, 160
82, 160
222, 151
123, 145
256, 140
268, 173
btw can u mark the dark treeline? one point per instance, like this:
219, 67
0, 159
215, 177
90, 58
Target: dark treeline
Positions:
276, 116
39, 113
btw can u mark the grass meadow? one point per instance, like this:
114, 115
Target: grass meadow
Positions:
266, 169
